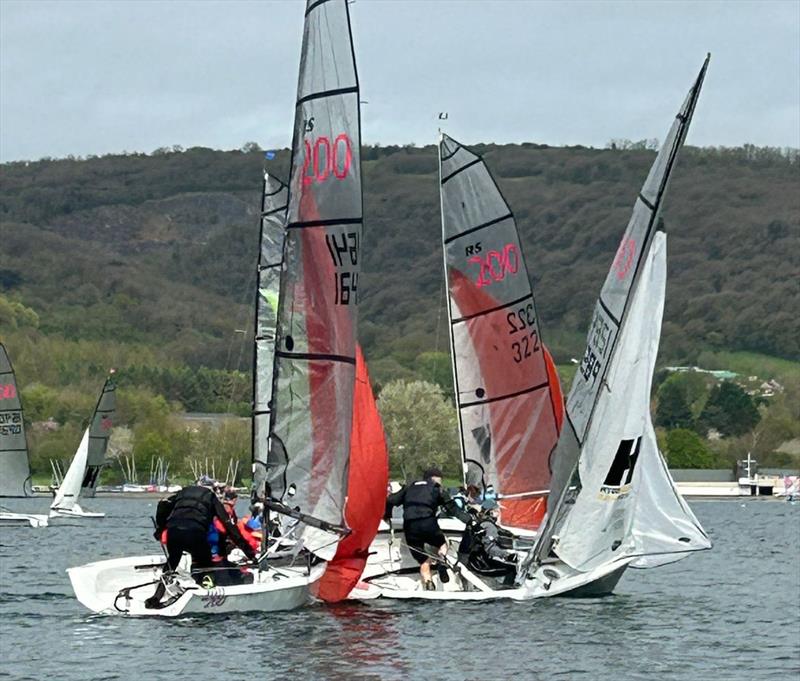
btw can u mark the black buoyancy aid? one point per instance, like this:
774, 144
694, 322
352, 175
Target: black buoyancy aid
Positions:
193, 509
421, 500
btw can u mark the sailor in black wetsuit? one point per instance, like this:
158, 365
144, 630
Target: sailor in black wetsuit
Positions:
191, 512
421, 500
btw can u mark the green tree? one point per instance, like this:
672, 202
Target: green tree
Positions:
421, 428
686, 449
730, 410
436, 368
673, 409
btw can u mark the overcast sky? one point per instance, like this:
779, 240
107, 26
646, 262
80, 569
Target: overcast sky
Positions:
97, 77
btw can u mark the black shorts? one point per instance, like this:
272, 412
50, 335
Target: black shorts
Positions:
421, 532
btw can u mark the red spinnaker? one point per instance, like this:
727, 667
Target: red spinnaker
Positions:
367, 482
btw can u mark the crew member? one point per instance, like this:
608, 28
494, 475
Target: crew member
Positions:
421, 500
193, 510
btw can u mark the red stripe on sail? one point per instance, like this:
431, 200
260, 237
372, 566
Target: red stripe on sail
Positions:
524, 429
329, 331
367, 482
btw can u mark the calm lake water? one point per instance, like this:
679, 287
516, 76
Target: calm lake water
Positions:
729, 613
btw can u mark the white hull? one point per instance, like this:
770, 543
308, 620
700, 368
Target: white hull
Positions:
391, 572
9, 519
120, 587
75, 512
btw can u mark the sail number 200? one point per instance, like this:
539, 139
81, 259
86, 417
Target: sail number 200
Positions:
324, 159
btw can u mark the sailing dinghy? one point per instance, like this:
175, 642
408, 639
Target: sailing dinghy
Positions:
83, 473
15, 471
301, 440
611, 503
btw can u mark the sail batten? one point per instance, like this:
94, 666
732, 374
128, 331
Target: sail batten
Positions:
608, 321
507, 418
314, 368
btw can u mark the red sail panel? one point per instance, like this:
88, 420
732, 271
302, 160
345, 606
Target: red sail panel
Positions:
367, 482
523, 429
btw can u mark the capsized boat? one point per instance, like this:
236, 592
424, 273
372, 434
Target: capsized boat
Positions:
301, 456
83, 473
15, 470
612, 503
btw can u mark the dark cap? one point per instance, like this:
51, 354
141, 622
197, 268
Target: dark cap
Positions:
433, 472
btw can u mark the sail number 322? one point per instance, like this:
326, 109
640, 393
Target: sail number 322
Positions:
522, 327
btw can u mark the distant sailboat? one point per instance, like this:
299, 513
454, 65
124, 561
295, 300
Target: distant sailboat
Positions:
83, 473
15, 471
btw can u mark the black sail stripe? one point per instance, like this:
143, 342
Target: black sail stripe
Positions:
534, 388
314, 6
325, 223
316, 357
353, 89
483, 225
461, 169
492, 309
646, 202
607, 311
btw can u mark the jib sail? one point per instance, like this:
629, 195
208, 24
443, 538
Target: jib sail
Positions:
577, 449
315, 353
366, 497
274, 201
15, 472
508, 402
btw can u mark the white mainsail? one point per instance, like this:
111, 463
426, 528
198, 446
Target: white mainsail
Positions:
584, 454
69, 491
628, 504
315, 350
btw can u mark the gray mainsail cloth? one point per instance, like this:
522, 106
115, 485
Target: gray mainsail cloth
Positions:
507, 414
275, 198
314, 373
609, 316
15, 471
99, 435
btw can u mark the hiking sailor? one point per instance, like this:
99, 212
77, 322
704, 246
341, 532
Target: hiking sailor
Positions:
421, 500
187, 516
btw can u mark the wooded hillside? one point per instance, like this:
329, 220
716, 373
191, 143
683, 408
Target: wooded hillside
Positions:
147, 261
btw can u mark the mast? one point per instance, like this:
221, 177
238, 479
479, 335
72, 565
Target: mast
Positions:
314, 369
15, 471
508, 419
274, 200
609, 317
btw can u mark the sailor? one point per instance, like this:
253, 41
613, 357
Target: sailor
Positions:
421, 501
193, 510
